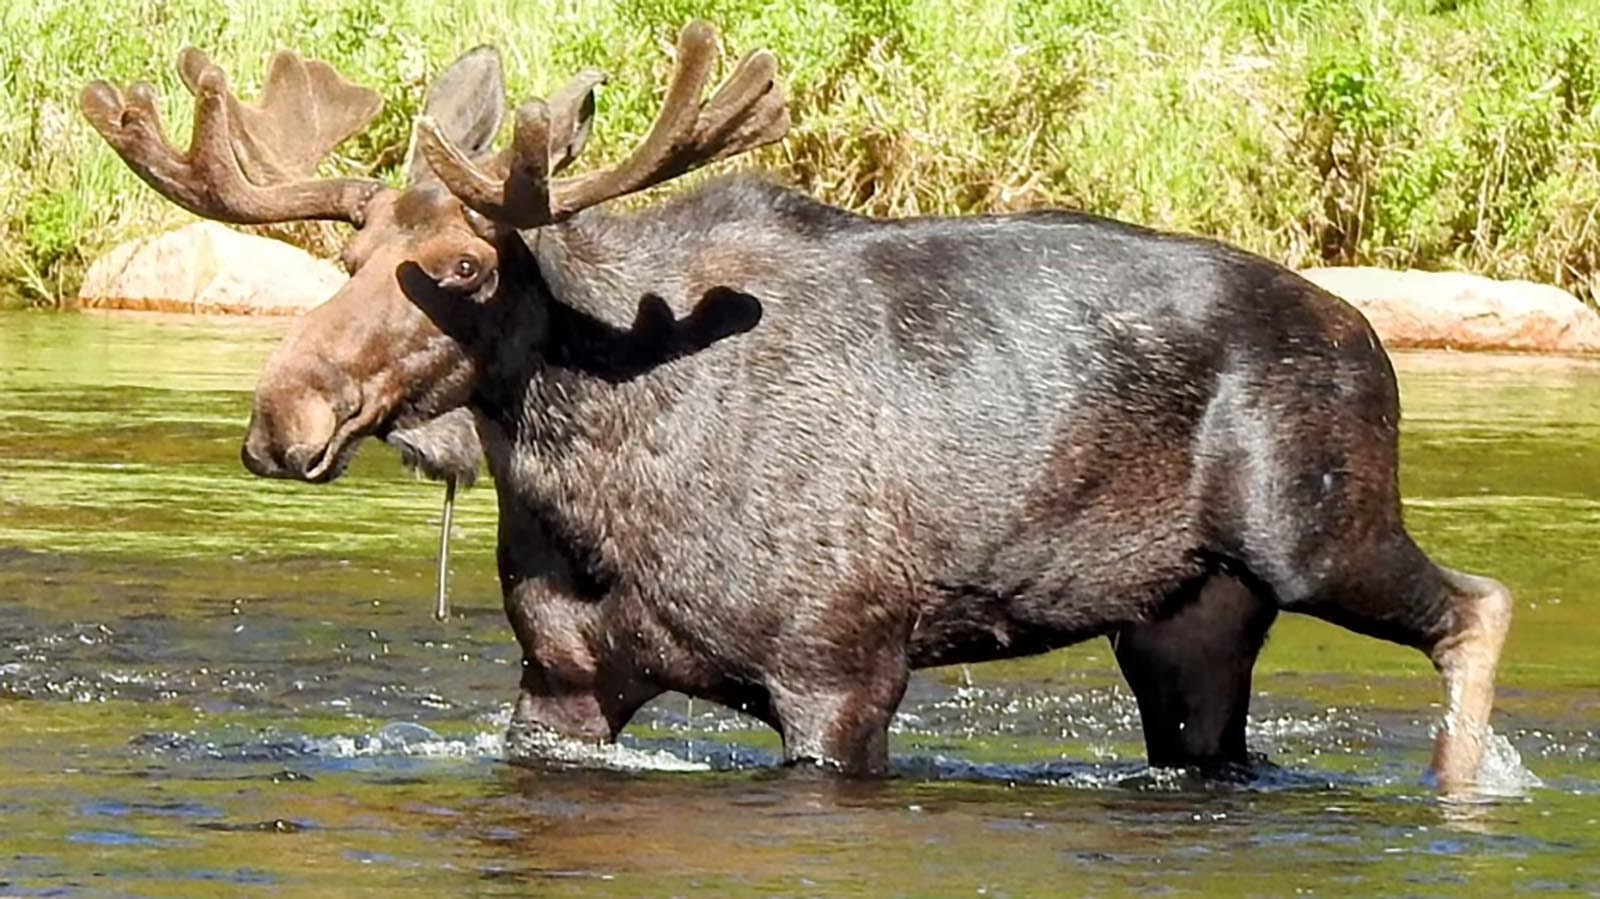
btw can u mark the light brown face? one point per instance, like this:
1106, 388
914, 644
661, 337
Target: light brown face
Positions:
376, 357
371, 359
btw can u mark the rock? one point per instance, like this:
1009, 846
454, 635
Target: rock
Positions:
1455, 310
207, 267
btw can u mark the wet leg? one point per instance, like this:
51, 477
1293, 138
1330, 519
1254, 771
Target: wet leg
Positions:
1191, 674
842, 725
1389, 589
1467, 656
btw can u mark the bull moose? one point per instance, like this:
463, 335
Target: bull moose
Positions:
758, 449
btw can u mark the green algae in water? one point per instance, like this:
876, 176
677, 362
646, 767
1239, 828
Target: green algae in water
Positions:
212, 684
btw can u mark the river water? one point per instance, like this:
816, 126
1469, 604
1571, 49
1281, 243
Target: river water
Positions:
212, 684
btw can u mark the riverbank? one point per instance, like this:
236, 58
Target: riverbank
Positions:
208, 268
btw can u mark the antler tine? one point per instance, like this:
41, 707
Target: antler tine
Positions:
671, 134
751, 80
746, 112
212, 179
133, 129
471, 184
528, 181
522, 198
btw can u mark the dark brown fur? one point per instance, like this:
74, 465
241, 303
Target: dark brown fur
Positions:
756, 449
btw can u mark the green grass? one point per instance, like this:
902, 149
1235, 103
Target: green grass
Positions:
1428, 133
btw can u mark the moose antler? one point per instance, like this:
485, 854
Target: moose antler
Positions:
245, 164
746, 112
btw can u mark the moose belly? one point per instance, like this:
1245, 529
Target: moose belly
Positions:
1064, 562
964, 625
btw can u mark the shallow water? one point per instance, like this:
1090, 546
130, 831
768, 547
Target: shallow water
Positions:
212, 684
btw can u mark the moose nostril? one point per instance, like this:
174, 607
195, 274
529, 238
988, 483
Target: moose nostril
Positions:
260, 453
302, 459
258, 459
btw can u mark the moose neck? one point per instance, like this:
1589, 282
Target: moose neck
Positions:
564, 366
592, 263
566, 396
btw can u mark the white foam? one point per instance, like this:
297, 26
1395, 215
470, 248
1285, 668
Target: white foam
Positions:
405, 738
545, 747
1502, 773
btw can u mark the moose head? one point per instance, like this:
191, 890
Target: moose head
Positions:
389, 354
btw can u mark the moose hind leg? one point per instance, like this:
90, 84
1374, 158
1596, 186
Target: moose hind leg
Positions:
1191, 674
1389, 589
1467, 656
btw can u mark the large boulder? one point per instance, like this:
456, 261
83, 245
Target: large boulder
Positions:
206, 267
1455, 310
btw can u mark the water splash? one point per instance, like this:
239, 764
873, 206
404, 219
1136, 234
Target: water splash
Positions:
542, 747
408, 739
1502, 773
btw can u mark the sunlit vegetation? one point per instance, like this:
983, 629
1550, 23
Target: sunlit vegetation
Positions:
1427, 133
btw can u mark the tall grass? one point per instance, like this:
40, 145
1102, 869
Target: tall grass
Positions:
1428, 133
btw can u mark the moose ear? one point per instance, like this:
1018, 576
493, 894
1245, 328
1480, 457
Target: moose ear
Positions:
572, 118
468, 100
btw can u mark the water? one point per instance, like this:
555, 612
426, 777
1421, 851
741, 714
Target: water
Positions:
212, 684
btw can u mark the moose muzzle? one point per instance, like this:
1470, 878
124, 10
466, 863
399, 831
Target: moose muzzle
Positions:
302, 423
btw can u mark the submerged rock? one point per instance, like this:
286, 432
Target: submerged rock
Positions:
206, 267
1455, 310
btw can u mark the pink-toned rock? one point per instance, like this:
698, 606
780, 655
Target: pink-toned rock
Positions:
1455, 310
206, 267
